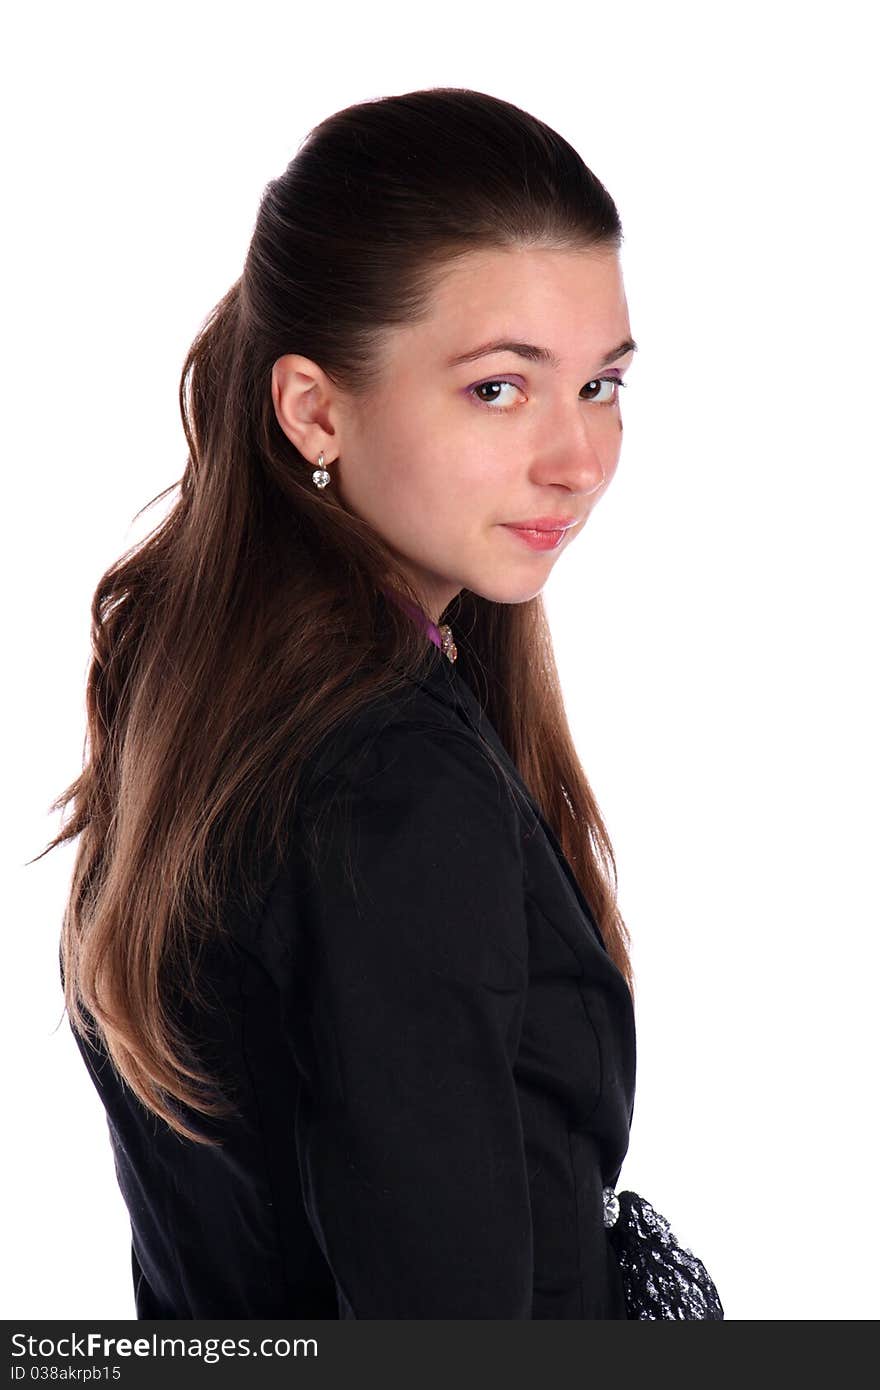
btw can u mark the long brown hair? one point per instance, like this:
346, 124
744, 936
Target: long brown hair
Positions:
246, 626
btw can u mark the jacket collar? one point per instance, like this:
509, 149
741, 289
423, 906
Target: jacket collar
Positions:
449, 687
444, 682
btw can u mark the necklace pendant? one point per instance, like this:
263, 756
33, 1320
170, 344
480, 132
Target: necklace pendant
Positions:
447, 643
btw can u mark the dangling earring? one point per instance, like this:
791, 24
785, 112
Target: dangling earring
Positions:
320, 477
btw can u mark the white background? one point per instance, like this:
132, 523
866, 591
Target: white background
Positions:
715, 625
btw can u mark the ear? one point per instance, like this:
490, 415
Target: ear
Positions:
301, 395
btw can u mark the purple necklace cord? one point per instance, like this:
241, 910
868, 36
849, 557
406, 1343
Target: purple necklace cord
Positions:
414, 611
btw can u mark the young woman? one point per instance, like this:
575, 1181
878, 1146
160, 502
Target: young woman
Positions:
342, 952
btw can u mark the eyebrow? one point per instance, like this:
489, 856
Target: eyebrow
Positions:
535, 354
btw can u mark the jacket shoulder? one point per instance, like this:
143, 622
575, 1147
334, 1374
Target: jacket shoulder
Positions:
401, 761
384, 721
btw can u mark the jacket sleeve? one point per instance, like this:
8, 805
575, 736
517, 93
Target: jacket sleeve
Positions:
408, 1128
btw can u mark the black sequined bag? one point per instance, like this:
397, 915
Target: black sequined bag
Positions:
661, 1279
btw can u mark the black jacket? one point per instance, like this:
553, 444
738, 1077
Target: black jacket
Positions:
433, 1054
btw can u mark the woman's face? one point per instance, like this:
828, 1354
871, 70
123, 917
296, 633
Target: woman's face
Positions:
445, 454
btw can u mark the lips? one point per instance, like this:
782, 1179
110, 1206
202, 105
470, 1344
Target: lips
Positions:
538, 539
545, 523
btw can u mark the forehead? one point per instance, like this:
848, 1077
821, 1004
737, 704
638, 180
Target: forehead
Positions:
565, 298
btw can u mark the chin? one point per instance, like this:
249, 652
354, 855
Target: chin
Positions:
506, 590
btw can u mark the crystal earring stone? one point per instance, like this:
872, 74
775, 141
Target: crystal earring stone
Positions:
320, 477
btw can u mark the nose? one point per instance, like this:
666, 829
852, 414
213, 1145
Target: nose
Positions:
581, 467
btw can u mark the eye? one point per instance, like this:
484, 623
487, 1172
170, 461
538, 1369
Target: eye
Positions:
609, 399
610, 396
490, 385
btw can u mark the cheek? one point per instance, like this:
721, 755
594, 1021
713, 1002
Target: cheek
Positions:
610, 467
612, 447
424, 464
418, 488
